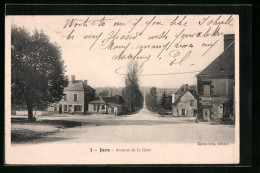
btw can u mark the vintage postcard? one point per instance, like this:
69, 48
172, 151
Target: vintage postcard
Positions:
122, 89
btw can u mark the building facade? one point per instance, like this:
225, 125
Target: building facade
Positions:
114, 105
216, 85
184, 101
76, 97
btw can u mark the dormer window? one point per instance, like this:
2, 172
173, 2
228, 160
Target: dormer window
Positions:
221, 69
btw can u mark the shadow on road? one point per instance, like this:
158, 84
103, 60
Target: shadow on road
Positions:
30, 136
56, 123
46, 130
22, 134
137, 122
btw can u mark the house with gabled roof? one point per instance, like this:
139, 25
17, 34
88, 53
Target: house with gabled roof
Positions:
180, 91
216, 84
114, 105
76, 97
184, 101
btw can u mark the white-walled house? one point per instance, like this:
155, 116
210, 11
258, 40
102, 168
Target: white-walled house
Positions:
184, 101
185, 105
114, 105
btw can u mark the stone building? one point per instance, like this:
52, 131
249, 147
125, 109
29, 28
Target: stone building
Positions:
216, 85
76, 97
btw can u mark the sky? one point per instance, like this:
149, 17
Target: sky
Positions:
87, 56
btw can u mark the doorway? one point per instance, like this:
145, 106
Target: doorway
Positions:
206, 114
60, 109
98, 107
70, 109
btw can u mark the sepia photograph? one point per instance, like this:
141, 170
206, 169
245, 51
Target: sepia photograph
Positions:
122, 89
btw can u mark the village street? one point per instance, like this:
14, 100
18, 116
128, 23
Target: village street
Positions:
144, 126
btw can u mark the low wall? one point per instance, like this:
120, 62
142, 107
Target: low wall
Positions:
34, 113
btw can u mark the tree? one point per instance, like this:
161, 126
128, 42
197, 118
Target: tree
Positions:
163, 100
37, 70
103, 93
151, 98
131, 92
168, 103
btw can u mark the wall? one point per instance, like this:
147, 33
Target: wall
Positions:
221, 92
25, 113
91, 108
100, 111
215, 109
89, 96
70, 97
70, 100
107, 110
219, 87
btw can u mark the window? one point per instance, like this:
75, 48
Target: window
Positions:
65, 97
206, 90
192, 103
65, 108
77, 108
75, 97
103, 107
94, 107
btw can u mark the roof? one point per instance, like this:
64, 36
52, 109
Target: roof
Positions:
78, 85
182, 90
114, 104
223, 65
97, 102
113, 100
179, 99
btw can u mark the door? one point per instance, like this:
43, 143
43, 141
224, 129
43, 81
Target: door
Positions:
98, 107
70, 109
183, 112
194, 113
206, 114
60, 109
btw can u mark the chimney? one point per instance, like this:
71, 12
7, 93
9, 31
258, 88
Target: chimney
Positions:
72, 78
86, 81
186, 87
228, 39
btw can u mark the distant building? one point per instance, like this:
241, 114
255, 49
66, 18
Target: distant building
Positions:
216, 85
184, 101
180, 91
76, 97
114, 105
